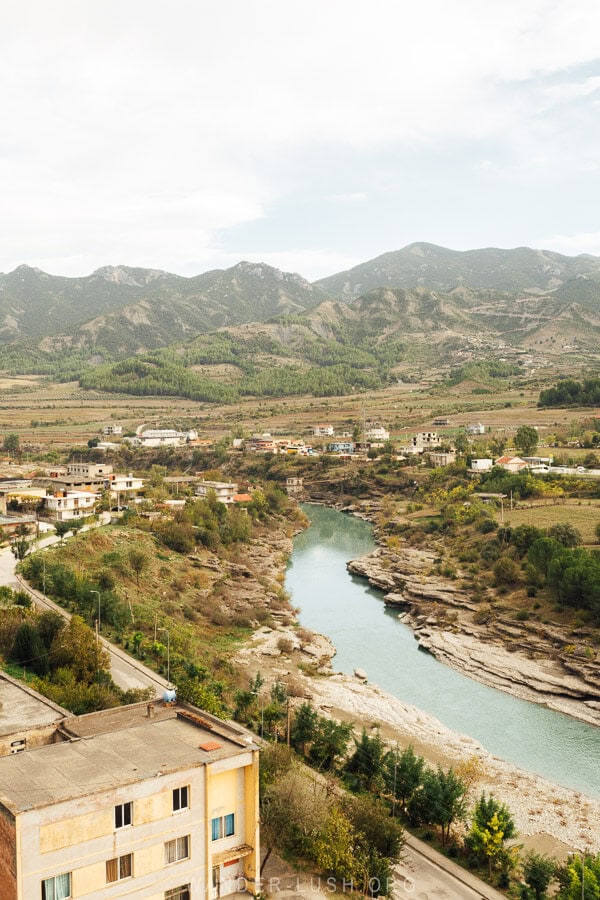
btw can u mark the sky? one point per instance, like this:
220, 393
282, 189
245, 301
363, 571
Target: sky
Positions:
308, 134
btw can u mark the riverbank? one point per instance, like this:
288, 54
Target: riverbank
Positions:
549, 817
529, 661
534, 660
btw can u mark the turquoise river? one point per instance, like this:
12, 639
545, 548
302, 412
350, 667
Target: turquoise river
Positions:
369, 636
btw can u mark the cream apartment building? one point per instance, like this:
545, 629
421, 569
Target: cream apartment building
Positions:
155, 800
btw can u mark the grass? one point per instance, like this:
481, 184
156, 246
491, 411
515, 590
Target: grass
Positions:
584, 516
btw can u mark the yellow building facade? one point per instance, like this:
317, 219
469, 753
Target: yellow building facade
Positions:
155, 801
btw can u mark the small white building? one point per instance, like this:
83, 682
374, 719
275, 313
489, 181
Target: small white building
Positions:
71, 505
225, 491
294, 485
475, 428
375, 433
323, 431
124, 484
482, 465
115, 430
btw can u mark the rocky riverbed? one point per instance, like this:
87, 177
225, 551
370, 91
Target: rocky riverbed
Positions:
549, 818
529, 660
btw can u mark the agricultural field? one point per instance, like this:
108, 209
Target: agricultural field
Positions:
584, 515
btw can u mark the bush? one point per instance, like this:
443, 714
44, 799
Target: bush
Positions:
506, 571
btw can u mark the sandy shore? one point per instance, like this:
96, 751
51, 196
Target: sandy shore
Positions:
549, 817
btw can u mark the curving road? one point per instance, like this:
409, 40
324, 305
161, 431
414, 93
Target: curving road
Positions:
126, 672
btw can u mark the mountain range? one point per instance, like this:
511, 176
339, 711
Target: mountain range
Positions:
423, 302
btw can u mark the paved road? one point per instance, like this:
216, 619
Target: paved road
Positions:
424, 874
126, 672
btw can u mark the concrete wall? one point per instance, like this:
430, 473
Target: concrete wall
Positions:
78, 836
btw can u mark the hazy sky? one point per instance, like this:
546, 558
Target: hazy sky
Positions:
309, 134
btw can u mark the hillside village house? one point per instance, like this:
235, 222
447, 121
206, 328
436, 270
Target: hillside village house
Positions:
482, 465
63, 505
442, 458
294, 485
123, 484
115, 430
341, 447
153, 801
377, 433
225, 491
475, 428
162, 437
323, 431
425, 440
512, 464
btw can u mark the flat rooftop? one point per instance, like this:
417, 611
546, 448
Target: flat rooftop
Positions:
109, 749
22, 708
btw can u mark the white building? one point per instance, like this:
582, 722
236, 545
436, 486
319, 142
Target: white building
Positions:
162, 437
482, 465
425, 440
154, 801
64, 505
115, 430
225, 491
377, 433
475, 428
124, 484
323, 431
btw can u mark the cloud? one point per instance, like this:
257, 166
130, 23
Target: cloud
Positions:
572, 244
142, 131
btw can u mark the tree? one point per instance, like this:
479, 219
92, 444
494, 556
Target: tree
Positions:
566, 534
29, 650
20, 547
403, 774
491, 826
506, 571
526, 440
441, 800
335, 847
461, 442
304, 727
538, 871
366, 763
138, 563
62, 527
497, 446
330, 743
570, 878
75, 647
11, 443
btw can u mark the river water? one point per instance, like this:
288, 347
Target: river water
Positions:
369, 636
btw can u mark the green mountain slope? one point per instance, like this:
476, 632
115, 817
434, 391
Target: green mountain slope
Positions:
437, 268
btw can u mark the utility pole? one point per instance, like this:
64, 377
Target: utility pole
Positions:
288, 723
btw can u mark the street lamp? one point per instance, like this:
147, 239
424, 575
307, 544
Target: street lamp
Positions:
93, 592
166, 630
262, 710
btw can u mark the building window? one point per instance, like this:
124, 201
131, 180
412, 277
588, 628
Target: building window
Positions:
179, 893
177, 850
180, 799
57, 888
123, 814
120, 867
223, 826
